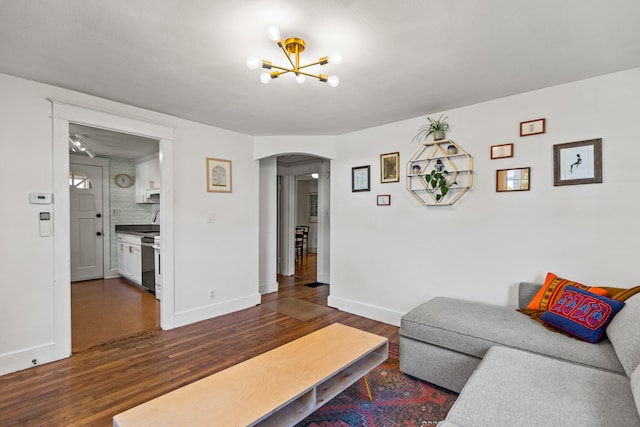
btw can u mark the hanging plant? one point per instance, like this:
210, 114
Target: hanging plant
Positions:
437, 180
437, 128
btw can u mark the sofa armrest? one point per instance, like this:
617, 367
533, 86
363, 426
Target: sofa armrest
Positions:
526, 292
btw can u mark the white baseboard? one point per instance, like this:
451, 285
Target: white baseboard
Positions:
267, 288
369, 311
30, 357
214, 310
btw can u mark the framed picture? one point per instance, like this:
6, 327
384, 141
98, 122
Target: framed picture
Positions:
384, 199
218, 175
313, 207
518, 179
532, 127
360, 178
389, 167
501, 151
577, 162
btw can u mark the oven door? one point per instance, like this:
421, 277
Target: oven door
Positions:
148, 265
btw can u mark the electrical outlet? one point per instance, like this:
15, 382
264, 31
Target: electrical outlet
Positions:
212, 294
115, 212
211, 217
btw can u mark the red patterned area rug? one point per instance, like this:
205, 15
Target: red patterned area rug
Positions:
398, 400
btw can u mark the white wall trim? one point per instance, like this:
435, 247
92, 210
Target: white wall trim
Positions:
287, 226
23, 359
369, 311
62, 114
214, 310
90, 116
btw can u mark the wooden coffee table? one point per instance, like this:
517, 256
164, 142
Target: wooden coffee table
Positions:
277, 388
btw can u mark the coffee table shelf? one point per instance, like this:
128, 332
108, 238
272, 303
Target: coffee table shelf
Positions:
277, 388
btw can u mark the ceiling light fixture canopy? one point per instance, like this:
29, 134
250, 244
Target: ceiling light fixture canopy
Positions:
292, 47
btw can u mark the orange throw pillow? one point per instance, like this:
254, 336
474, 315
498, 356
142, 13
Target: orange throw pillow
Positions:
553, 288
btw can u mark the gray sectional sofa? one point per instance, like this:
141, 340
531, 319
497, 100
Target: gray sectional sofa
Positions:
512, 371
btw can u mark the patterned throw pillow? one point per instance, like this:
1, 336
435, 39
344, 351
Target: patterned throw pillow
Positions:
553, 287
582, 314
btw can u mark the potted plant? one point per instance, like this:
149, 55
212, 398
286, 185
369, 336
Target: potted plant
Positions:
437, 128
437, 180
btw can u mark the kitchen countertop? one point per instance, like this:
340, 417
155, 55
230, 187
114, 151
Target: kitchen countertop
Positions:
146, 230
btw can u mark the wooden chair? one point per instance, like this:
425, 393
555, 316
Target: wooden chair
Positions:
299, 244
304, 229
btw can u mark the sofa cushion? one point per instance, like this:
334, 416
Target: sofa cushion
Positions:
582, 314
635, 386
517, 388
624, 334
551, 290
472, 328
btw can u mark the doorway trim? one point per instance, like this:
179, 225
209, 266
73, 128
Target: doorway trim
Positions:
64, 113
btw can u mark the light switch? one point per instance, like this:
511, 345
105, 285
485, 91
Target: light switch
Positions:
211, 217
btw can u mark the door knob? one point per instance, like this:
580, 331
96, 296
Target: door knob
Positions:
98, 215
99, 233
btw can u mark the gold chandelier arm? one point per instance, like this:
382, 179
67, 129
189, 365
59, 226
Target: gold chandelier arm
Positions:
287, 55
312, 64
321, 77
285, 70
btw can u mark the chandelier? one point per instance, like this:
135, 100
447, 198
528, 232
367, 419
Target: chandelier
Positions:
292, 47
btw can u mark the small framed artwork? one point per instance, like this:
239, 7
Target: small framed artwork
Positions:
532, 127
577, 162
501, 151
218, 175
384, 199
360, 178
518, 179
389, 167
313, 207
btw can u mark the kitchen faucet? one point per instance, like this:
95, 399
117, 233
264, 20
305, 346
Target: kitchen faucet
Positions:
156, 216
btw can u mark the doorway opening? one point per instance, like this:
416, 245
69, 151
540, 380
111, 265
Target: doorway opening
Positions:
303, 219
108, 301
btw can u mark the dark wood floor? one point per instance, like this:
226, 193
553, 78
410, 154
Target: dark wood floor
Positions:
90, 387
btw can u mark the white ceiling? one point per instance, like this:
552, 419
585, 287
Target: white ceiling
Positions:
402, 59
106, 143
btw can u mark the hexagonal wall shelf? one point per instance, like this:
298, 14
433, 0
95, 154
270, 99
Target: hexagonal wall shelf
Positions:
442, 155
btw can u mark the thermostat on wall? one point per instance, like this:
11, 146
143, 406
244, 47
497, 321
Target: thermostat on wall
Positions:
41, 198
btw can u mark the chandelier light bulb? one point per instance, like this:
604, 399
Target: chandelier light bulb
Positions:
300, 78
274, 33
333, 81
265, 78
253, 63
336, 58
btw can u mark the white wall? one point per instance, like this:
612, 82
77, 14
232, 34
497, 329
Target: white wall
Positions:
387, 260
222, 255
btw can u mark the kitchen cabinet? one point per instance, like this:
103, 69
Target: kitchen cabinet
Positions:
148, 179
130, 257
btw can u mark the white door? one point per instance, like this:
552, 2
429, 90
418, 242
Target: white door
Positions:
85, 184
